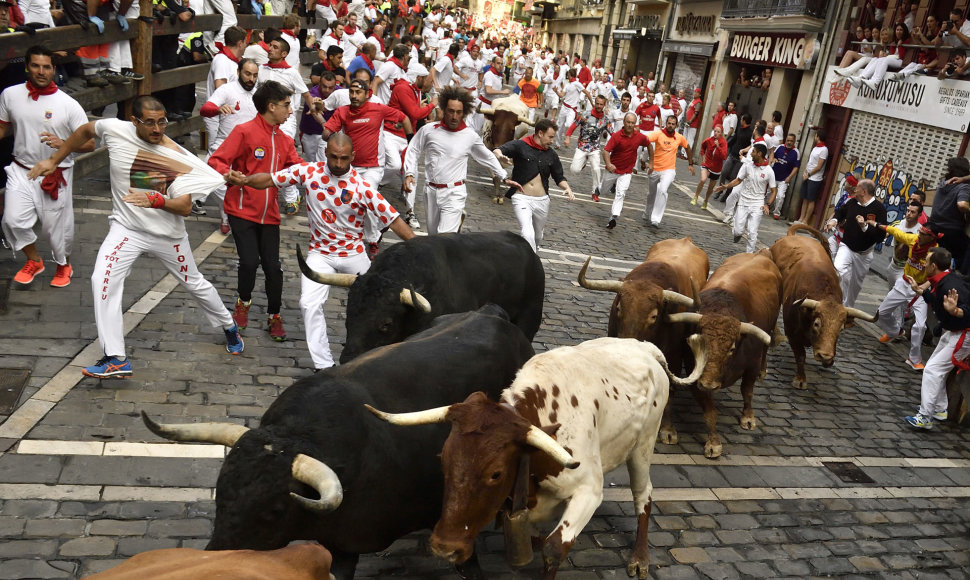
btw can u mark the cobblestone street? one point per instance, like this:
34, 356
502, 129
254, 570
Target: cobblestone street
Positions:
84, 485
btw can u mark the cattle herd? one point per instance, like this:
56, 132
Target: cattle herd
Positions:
441, 415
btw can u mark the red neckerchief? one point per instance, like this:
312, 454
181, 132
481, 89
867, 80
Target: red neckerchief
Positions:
555, 72
820, 144
760, 139
919, 252
445, 127
595, 116
327, 65
350, 30
494, 72
452, 59
264, 46
381, 42
934, 280
370, 63
34, 93
280, 64
396, 61
669, 133
228, 53
331, 35
531, 142
765, 164
288, 31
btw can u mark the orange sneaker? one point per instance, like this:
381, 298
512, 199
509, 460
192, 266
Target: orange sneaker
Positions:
62, 277
886, 338
27, 273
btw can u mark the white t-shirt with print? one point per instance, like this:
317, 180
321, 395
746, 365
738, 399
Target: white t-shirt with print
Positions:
756, 180
57, 113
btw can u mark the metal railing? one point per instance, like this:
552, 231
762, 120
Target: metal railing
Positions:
767, 8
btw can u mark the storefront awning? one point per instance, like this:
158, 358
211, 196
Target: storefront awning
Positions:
630, 33
699, 48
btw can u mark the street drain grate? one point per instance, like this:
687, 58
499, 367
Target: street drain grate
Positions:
848, 472
4, 294
12, 383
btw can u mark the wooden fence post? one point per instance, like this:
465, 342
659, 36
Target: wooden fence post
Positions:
141, 52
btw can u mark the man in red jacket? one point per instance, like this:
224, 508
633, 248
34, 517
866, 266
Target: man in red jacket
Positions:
713, 154
258, 146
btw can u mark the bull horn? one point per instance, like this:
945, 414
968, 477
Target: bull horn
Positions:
697, 346
678, 299
807, 303
695, 294
748, 328
527, 121
539, 439
415, 300
220, 433
426, 417
691, 317
317, 475
343, 280
486, 110
604, 285
856, 313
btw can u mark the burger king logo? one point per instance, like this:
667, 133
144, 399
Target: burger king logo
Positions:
838, 92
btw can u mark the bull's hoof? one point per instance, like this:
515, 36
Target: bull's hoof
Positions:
712, 450
748, 422
637, 568
799, 383
668, 436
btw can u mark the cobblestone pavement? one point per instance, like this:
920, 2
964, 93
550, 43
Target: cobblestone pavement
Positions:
83, 484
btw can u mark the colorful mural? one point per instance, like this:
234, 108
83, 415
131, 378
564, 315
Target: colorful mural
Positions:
894, 184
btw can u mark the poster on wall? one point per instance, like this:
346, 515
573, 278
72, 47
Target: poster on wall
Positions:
944, 104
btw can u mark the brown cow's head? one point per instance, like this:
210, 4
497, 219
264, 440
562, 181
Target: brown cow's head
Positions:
503, 127
722, 335
828, 319
480, 461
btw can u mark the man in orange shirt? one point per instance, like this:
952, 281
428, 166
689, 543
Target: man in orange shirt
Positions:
664, 168
529, 93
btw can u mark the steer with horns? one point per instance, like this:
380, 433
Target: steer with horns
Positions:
506, 120
648, 294
412, 282
811, 298
320, 467
602, 400
735, 314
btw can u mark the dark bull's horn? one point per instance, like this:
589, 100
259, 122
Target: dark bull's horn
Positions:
317, 475
677, 298
425, 417
604, 285
411, 298
689, 317
538, 438
344, 280
856, 313
697, 346
220, 433
748, 328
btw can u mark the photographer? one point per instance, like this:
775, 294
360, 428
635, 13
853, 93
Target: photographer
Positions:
957, 68
956, 30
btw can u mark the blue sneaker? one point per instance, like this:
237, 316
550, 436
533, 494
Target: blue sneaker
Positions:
234, 342
109, 367
920, 421
938, 416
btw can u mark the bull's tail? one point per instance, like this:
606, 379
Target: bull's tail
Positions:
795, 228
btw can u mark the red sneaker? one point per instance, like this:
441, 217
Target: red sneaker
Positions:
276, 331
63, 275
241, 314
27, 273
224, 228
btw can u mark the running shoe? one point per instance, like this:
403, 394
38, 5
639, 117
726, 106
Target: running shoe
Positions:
916, 366
62, 277
886, 338
241, 314
127, 72
197, 208
920, 421
234, 342
939, 416
109, 367
276, 331
704, 206
292, 208
412, 221
611, 224
29, 271
693, 201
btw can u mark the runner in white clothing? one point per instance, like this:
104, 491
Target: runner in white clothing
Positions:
390, 71
223, 70
446, 147
571, 94
153, 181
40, 116
755, 179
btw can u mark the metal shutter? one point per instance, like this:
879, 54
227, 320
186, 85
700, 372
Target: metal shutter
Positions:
688, 72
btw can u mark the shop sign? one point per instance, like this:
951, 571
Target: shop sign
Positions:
785, 50
648, 21
925, 99
691, 24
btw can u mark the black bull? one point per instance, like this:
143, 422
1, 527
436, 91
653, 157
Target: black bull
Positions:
390, 477
448, 273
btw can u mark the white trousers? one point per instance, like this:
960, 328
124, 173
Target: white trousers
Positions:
325, 16
25, 202
857, 65
891, 314
118, 252
748, 217
690, 133
933, 390
877, 67
731, 203
657, 185
780, 196
622, 182
313, 296
551, 102
119, 52
291, 193
532, 213
228, 12
643, 153
564, 120
582, 158
852, 268
313, 148
373, 177
394, 147
892, 274
445, 207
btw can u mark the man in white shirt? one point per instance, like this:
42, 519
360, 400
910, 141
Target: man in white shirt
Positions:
389, 71
469, 68
153, 181
331, 39
571, 94
444, 70
351, 40
446, 147
730, 122
618, 114
754, 179
40, 117
223, 70
812, 176
430, 35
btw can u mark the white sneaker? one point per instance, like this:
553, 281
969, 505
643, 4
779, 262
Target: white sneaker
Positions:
855, 81
871, 84
842, 72
727, 219
412, 221
894, 77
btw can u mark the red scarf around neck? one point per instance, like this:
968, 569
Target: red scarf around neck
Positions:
461, 126
350, 30
397, 62
280, 64
228, 53
494, 72
288, 31
264, 46
935, 280
531, 142
820, 144
370, 63
597, 116
34, 93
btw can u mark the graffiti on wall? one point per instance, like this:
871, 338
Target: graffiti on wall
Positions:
894, 183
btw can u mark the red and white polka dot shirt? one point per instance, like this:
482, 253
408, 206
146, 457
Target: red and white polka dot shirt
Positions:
336, 207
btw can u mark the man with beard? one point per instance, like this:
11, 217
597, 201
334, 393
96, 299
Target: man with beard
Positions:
620, 157
41, 117
153, 181
254, 215
337, 216
592, 128
232, 103
313, 119
446, 147
665, 143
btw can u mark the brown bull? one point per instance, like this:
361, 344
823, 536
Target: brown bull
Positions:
811, 298
648, 294
736, 313
297, 562
503, 119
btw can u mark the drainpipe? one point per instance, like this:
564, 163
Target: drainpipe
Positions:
663, 38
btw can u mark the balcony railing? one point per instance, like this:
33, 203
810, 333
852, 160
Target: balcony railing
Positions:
767, 8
